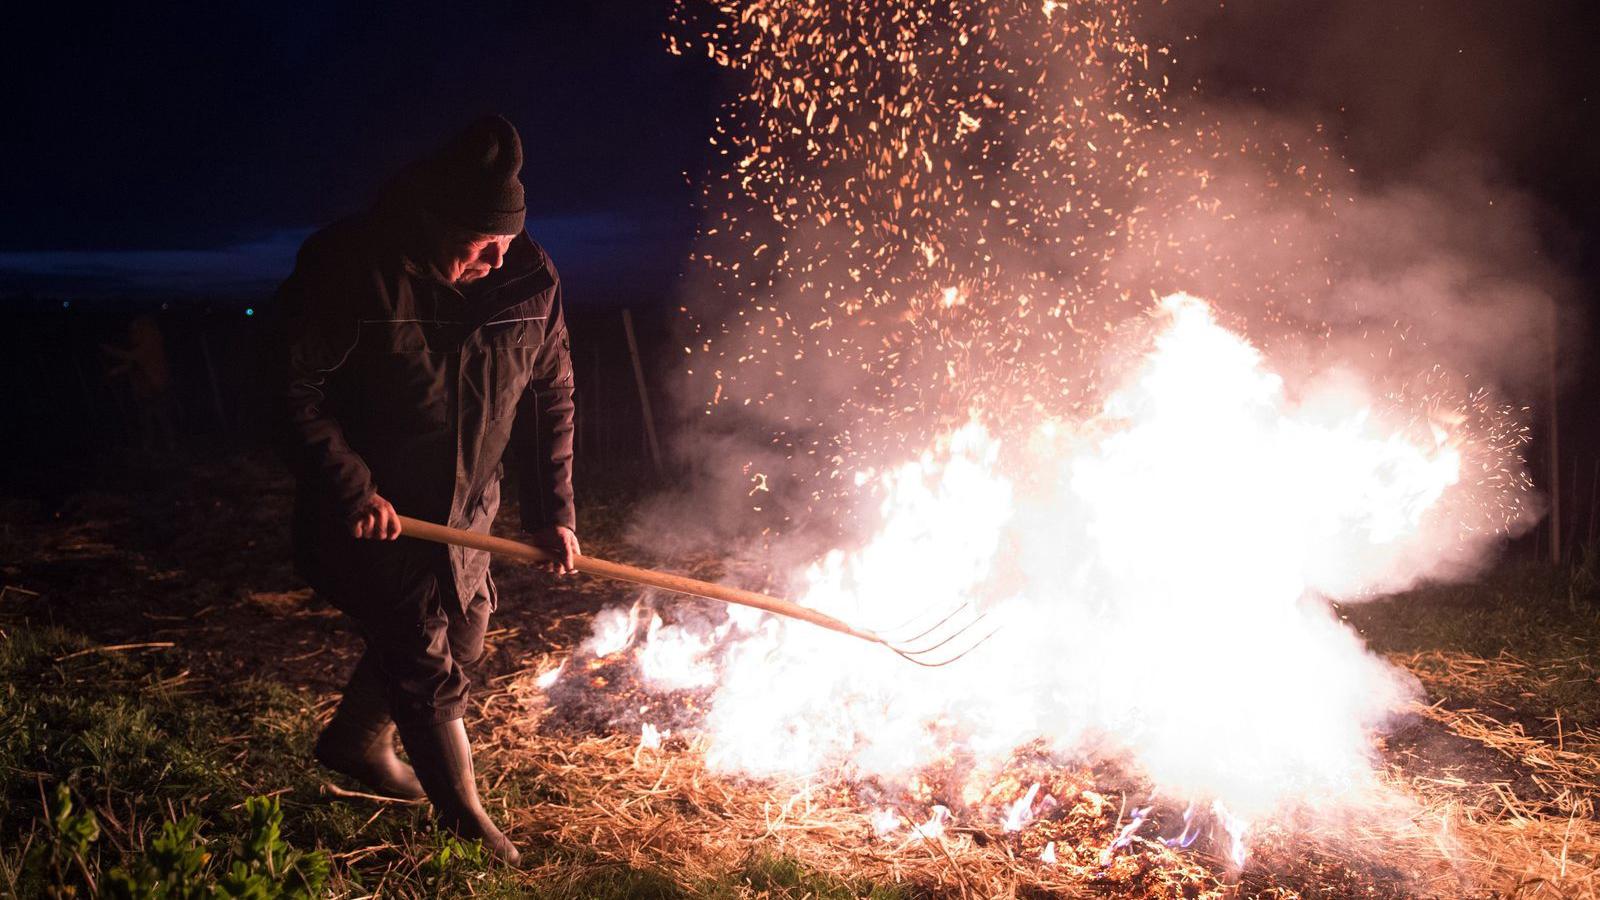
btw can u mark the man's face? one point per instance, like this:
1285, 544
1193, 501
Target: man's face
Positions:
465, 257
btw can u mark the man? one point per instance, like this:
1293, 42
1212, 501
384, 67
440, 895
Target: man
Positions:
421, 341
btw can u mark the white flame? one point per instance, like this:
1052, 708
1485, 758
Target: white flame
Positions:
1160, 569
1236, 828
649, 737
885, 822
613, 631
674, 657
933, 829
548, 680
1020, 813
1126, 835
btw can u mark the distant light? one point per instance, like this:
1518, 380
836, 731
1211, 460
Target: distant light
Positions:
66, 303
249, 310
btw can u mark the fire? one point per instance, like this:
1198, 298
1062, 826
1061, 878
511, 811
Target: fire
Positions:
1020, 813
933, 829
930, 240
1162, 569
885, 822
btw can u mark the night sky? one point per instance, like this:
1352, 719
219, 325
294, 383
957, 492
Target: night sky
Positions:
187, 149
192, 148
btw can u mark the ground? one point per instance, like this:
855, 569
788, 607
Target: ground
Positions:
158, 658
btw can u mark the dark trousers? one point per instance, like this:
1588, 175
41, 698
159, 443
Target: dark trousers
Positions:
416, 649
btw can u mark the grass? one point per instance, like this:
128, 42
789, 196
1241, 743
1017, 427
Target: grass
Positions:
784, 877
138, 746
1541, 624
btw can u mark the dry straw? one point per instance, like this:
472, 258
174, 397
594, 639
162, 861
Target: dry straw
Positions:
1529, 831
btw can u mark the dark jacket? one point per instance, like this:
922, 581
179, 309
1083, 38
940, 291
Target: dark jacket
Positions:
396, 383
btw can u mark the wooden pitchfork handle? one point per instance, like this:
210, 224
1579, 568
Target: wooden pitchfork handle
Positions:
441, 534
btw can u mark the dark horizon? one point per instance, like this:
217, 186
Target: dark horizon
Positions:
188, 152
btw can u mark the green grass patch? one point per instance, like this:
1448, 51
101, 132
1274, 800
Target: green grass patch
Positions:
118, 778
765, 875
1544, 617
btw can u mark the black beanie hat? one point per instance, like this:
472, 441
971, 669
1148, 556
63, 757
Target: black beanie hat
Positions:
473, 178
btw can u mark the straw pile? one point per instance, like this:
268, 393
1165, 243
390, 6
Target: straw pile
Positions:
1504, 814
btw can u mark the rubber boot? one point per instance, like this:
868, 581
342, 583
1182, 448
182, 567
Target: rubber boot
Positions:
443, 760
359, 742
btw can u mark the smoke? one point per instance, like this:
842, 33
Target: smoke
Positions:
870, 272
929, 365
1399, 82
1445, 267
1437, 112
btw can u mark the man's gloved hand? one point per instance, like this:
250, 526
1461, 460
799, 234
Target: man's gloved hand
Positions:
560, 540
375, 519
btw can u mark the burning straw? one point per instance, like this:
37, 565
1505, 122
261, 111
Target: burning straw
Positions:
660, 806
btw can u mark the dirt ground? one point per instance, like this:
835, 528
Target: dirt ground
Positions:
186, 568
201, 557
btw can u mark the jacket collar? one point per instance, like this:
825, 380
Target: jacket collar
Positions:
524, 274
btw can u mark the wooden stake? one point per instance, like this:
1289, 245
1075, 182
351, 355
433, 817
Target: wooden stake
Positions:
1555, 443
1594, 483
644, 394
216, 387
83, 386
1573, 485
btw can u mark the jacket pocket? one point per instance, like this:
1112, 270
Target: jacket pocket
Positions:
510, 347
404, 375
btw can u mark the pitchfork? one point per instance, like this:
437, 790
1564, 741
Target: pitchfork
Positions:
950, 637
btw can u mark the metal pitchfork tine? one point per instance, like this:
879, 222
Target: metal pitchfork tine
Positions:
937, 637
929, 656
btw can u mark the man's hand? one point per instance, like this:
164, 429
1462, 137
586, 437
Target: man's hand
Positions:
375, 519
559, 540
